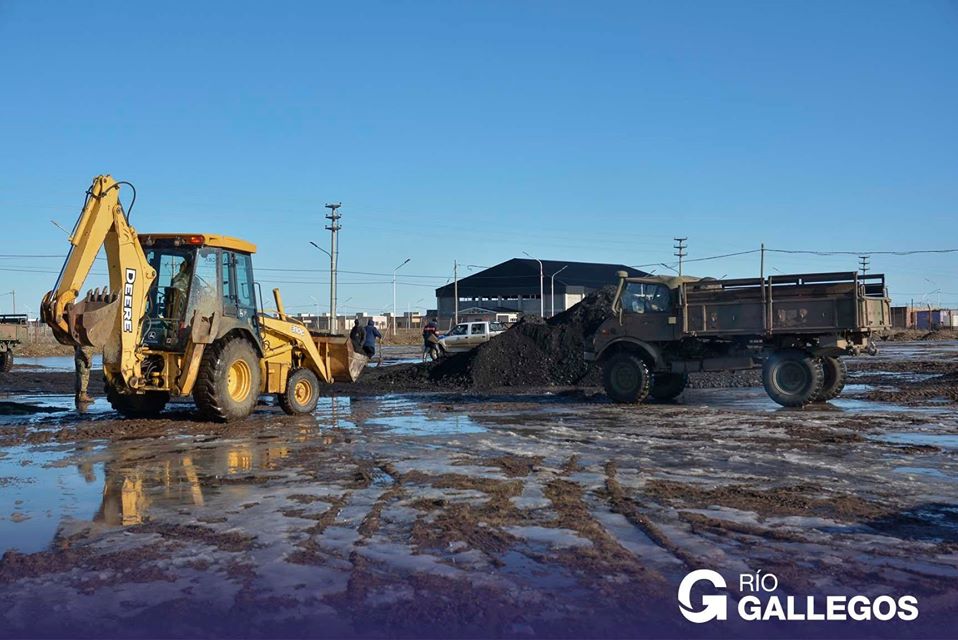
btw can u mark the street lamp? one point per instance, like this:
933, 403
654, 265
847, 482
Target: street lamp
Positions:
542, 302
331, 290
317, 311
394, 292
552, 291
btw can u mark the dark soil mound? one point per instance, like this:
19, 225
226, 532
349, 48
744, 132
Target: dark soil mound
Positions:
532, 352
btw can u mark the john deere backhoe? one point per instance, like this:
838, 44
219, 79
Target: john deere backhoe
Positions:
180, 317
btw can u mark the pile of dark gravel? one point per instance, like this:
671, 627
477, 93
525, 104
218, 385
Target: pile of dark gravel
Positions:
531, 353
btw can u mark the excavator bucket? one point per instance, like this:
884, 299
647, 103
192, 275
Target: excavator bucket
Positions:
92, 321
337, 351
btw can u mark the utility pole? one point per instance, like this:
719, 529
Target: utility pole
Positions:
333, 216
394, 292
542, 292
455, 292
552, 291
680, 245
863, 264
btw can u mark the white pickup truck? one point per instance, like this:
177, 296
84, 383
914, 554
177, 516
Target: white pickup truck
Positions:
466, 335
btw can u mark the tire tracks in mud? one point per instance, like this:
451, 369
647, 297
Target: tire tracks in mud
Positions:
627, 507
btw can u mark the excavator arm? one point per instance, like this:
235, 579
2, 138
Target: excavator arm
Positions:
108, 319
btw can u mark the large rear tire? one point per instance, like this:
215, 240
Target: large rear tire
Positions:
792, 377
302, 392
626, 378
836, 373
6, 361
228, 383
668, 386
144, 405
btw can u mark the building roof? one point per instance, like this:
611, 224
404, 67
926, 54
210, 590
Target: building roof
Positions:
520, 276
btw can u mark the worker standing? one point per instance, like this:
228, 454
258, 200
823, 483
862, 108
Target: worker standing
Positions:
431, 344
357, 335
82, 361
369, 344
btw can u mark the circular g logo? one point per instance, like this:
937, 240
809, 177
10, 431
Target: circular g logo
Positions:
715, 606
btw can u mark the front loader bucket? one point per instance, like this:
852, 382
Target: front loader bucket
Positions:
337, 351
92, 321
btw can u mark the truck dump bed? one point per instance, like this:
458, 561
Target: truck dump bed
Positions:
793, 304
13, 327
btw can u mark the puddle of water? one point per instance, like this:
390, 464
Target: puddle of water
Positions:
55, 363
425, 425
943, 441
53, 408
755, 399
922, 471
37, 494
120, 483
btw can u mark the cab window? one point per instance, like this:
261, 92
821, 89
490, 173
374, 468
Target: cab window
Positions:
460, 330
478, 329
642, 297
496, 326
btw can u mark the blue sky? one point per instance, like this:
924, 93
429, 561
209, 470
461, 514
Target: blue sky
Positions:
475, 131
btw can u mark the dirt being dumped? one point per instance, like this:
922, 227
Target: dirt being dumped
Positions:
531, 353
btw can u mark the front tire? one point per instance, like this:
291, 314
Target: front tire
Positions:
668, 386
229, 380
836, 373
302, 392
626, 378
6, 361
792, 377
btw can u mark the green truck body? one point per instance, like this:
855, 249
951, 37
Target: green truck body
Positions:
13, 331
796, 327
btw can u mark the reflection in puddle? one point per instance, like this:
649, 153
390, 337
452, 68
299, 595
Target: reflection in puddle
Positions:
119, 483
36, 493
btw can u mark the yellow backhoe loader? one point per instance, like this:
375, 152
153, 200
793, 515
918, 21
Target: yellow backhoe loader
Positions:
181, 317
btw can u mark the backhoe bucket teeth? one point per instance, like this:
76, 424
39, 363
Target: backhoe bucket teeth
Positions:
93, 320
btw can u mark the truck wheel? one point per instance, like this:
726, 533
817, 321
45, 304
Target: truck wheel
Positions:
667, 386
836, 373
228, 384
792, 377
145, 405
6, 361
302, 392
626, 378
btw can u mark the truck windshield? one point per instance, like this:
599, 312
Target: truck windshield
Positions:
644, 297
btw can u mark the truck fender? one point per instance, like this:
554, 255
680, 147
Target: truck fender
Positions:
650, 353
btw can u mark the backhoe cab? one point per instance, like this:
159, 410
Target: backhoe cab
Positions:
180, 318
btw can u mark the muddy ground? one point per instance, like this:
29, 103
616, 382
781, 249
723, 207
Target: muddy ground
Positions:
537, 512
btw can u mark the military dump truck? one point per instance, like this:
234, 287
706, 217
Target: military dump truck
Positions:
13, 331
795, 327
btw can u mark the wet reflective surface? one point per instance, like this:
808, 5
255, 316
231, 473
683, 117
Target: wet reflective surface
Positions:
528, 508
